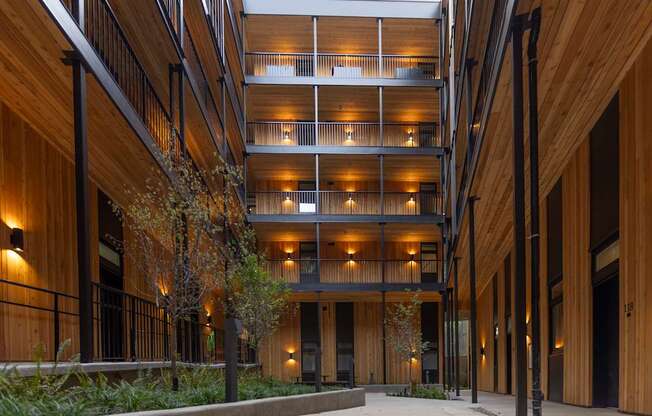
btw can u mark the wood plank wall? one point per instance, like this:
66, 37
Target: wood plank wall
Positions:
635, 237
578, 291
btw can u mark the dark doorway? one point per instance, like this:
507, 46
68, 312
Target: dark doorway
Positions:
605, 343
344, 340
309, 340
429, 262
427, 198
111, 298
429, 334
308, 267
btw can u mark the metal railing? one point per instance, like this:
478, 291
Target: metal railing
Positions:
174, 14
125, 327
110, 43
215, 13
334, 65
344, 203
337, 133
354, 271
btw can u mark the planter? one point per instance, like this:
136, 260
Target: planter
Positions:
275, 406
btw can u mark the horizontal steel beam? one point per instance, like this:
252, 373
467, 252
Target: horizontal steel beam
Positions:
405, 219
344, 150
355, 82
407, 9
365, 287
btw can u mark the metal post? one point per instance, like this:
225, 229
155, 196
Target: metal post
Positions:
316, 100
132, 330
382, 184
317, 204
82, 194
384, 342
519, 293
314, 46
381, 119
182, 111
380, 47
231, 329
535, 21
456, 319
451, 363
318, 358
318, 238
382, 251
473, 295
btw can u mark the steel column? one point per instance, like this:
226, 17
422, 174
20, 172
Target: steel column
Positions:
231, 329
473, 296
314, 46
317, 204
82, 195
456, 318
318, 358
535, 20
444, 367
380, 117
384, 343
519, 217
316, 101
182, 110
449, 331
382, 185
380, 47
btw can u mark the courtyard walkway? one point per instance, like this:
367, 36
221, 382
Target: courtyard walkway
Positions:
489, 404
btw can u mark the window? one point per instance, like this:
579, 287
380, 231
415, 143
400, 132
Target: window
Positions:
556, 318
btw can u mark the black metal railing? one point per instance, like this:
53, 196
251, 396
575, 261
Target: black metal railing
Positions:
333, 65
342, 133
344, 203
125, 327
355, 271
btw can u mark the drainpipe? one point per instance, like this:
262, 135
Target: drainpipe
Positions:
535, 21
519, 294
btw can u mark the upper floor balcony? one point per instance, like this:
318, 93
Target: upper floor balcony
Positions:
341, 51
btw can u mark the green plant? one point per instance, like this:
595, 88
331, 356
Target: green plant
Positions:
423, 392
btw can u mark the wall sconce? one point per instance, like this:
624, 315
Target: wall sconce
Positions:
412, 256
350, 257
291, 356
411, 200
482, 352
410, 137
349, 136
286, 135
17, 240
289, 257
350, 200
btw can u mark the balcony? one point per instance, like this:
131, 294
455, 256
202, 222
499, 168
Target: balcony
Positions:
347, 134
344, 204
361, 274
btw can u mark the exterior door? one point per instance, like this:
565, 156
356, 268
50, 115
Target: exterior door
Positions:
429, 262
309, 340
427, 198
606, 316
308, 267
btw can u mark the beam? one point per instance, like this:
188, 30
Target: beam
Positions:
300, 218
354, 82
344, 150
365, 287
406, 9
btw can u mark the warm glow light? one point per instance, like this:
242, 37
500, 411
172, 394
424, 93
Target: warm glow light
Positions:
349, 136
410, 137
559, 345
286, 135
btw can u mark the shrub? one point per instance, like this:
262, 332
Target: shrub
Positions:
423, 392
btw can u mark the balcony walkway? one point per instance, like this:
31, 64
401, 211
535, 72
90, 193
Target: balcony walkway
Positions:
489, 404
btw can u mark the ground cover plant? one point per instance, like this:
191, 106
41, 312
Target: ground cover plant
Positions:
423, 392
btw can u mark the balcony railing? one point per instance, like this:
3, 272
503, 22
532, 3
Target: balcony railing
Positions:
344, 203
125, 327
331, 133
354, 271
110, 43
350, 66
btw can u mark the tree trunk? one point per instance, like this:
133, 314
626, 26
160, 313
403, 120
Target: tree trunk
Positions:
173, 355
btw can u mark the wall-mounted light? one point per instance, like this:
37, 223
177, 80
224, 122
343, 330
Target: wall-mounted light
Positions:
349, 136
17, 240
350, 256
350, 200
410, 137
289, 257
411, 200
286, 135
412, 257
291, 356
482, 352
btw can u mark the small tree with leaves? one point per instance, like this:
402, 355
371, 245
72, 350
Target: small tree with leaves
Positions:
259, 301
175, 240
404, 332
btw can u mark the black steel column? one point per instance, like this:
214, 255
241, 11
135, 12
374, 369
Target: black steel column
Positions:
520, 328
535, 20
231, 332
473, 296
444, 367
317, 204
318, 358
82, 194
182, 110
382, 184
384, 343
449, 331
456, 318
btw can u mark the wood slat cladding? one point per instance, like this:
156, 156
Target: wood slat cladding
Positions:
578, 290
635, 242
485, 340
368, 338
279, 33
275, 351
347, 35
37, 194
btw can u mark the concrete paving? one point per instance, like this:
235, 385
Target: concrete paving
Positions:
379, 404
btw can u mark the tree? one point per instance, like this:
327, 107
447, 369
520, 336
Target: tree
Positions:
175, 240
404, 332
259, 301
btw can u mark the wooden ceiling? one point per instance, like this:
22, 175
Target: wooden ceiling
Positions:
287, 103
347, 232
354, 35
585, 50
38, 86
290, 167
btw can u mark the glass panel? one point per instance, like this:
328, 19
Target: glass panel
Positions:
607, 256
557, 326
